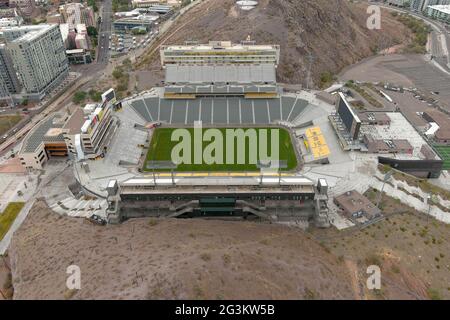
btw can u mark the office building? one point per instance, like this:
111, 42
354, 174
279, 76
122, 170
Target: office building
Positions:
84, 133
39, 58
9, 84
439, 12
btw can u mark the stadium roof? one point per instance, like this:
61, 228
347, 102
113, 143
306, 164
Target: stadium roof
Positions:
220, 89
264, 73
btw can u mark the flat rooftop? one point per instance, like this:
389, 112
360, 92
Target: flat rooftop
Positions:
444, 8
373, 116
264, 73
75, 122
32, 32
43, 132
219, 46
218, 184
353, 202
399, 129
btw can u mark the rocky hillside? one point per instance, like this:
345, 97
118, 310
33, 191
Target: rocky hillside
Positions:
171, 259
334, 32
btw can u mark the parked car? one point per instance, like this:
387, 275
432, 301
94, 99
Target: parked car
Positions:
97, 220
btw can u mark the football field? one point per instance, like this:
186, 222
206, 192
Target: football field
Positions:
161, 148
444, 153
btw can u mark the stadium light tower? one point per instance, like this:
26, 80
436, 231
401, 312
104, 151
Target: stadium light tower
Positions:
387, 176
153, 164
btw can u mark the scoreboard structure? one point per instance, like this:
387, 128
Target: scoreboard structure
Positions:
349, 118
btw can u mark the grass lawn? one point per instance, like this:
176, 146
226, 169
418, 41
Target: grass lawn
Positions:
444, 153
7, 122
8, 216
161, 148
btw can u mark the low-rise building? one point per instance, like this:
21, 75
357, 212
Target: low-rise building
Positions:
387, 145
79, 56
11, 22
441, 121
77, 13
45, 140
150, 3
356, 205
26, 7
374, 118
129, 23
82, 134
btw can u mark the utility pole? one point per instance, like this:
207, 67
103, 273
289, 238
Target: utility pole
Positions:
311, 59
387, 176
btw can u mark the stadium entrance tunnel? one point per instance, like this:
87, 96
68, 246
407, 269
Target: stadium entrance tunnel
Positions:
220, 207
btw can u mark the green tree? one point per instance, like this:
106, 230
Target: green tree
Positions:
93, 4
95, 95
79, 97
117, 73
92, 31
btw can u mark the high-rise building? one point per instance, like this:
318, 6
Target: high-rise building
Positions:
39, 58
422, 5
9, 83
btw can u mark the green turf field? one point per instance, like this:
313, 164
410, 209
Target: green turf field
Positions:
161, 149
444, 153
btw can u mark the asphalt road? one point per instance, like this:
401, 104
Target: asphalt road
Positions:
89, 75
104, 32
438, 29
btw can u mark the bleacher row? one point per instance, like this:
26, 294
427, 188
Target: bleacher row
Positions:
220, 110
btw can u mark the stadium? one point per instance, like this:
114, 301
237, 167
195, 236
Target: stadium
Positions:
221, 138
248, 177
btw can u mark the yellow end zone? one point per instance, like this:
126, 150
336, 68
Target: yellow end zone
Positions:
316, 143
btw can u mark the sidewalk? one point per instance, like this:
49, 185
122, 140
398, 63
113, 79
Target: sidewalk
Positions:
4, 244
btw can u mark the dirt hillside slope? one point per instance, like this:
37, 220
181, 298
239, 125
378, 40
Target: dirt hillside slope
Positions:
175, 259
333, 31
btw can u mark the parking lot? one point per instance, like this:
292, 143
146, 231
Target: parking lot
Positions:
123, 43
412, 71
